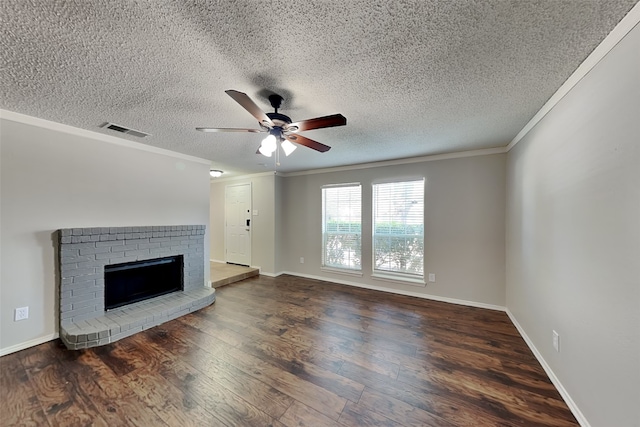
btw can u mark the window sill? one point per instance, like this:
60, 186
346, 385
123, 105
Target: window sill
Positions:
402, 279
342, 271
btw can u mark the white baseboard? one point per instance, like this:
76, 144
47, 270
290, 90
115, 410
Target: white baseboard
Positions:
552, 376
399, 291
217, 260
264, 273
27, 344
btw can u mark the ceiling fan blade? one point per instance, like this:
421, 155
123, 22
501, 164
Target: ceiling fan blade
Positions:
229, 130
315, 145
317, 123
246, 103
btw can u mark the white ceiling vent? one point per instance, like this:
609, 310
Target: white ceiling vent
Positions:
126, 130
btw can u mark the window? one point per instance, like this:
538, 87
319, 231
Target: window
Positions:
342, 226
398, 229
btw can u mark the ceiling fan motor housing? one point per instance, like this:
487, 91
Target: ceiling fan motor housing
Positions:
279, 119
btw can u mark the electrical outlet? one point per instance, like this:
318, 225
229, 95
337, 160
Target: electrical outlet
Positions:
556, 341
22, 313
432, 277
301, 260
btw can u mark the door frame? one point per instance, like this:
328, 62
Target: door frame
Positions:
250, 234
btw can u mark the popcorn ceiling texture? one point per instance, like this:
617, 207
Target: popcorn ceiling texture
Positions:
412, 77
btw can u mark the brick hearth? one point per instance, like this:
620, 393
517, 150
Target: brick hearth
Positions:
83, 254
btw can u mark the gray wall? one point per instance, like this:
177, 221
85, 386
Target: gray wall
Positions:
53, 177
464, 226
573, 238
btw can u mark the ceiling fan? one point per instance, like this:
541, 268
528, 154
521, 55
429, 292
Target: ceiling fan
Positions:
280, 127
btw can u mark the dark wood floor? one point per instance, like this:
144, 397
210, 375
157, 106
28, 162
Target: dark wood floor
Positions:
293, 352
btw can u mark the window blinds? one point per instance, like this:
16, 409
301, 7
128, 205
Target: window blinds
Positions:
342, 226
398, 228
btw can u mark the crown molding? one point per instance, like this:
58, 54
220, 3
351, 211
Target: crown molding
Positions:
421, 159
244, 177
59, 127
613, 38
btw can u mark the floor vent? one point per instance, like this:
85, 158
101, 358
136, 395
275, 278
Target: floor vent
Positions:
122, 129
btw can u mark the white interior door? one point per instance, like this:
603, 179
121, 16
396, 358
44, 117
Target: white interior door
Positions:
238, 224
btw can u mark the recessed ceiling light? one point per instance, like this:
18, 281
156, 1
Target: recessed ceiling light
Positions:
215, 173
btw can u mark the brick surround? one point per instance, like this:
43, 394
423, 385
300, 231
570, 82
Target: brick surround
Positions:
83, 254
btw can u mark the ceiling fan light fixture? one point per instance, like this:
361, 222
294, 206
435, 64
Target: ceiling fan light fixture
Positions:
264, 152
215, 173
288, 147
269, 145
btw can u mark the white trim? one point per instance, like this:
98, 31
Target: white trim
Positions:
552, 376
430, 158
399, 291
218, 261
59, 127
340, 185
28, 344
615, 36
344, 271
226, 219
409, 160
270, 274
240, 177
398, 278
399, 179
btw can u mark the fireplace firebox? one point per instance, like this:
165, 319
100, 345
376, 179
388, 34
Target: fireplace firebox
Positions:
131, 282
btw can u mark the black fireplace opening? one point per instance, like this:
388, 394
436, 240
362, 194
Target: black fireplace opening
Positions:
140, 280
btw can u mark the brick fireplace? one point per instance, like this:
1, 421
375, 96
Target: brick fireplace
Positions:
85, 252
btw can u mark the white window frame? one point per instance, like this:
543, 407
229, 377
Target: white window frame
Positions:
354, 270
416, 278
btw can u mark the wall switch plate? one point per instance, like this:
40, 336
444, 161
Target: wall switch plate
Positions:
22, 313
301, 260
556, 341
432, 277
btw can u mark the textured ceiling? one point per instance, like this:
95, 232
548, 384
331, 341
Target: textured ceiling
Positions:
413, 78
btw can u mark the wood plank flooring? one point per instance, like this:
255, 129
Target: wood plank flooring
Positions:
292, 352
